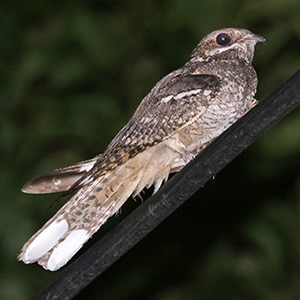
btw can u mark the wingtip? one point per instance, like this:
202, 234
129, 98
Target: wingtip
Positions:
45, 184
31, 187
27, 188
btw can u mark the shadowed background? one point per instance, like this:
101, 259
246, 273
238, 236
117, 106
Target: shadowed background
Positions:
73, 72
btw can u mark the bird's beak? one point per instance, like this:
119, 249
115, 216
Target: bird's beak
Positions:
255, 38
259, 38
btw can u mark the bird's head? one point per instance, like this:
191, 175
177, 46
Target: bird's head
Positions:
228, 44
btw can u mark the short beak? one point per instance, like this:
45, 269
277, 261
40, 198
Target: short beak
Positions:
254, 38
259, 38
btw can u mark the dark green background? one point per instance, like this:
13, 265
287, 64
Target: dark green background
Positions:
73, 72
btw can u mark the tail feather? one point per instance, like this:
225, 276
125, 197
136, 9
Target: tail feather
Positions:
63, 235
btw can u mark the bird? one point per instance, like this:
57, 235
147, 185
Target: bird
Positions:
183, 113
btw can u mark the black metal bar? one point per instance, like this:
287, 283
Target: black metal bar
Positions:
175, 192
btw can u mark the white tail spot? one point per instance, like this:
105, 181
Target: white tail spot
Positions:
45, 241
66, 249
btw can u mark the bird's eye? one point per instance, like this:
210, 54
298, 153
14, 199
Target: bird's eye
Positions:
223, 39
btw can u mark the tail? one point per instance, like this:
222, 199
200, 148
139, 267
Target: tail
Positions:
63, 235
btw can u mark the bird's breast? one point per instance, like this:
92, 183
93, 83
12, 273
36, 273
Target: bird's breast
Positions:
232, 102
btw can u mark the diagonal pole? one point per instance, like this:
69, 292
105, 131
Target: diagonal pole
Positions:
174, 193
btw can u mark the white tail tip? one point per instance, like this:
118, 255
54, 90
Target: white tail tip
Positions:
66, 249
45, 241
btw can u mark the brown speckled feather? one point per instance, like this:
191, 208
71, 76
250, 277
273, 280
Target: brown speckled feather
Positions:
182, 114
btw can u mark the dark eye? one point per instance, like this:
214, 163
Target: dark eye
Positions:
223, 39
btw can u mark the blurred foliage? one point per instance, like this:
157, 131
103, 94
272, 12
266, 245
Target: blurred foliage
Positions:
72, 73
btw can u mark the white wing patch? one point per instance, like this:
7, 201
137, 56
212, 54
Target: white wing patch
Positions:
87, 166
166, 99
186, 94
180, 95
206, 92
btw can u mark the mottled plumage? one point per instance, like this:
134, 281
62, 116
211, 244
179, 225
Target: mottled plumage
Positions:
183, 112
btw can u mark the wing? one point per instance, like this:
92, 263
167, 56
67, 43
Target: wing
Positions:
170, 106
59, 180
175, 102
